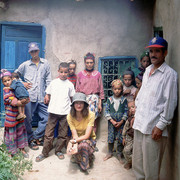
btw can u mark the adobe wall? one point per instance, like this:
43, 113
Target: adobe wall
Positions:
73, 27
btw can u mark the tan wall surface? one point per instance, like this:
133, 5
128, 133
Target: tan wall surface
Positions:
167, 14
104, 27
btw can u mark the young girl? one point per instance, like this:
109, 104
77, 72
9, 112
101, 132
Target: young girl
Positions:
116, 113
128, 87
89, 82
15, 136
138, 80
144, 60
72, 68
81, 122
20, 92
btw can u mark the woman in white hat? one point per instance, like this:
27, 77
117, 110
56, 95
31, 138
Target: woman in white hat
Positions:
81, 122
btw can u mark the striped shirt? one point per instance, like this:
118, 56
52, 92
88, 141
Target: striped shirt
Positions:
73, 79
11, 111
156, 100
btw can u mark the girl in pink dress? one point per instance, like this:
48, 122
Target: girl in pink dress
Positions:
89, 82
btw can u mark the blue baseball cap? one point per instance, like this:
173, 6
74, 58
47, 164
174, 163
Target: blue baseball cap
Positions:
33, 46
158, 42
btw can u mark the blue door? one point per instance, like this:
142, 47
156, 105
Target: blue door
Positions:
14, 46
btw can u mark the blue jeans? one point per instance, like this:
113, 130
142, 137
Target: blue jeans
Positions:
41, 109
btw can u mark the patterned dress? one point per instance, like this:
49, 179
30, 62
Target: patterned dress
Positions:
15, 135
120, 114
90, 83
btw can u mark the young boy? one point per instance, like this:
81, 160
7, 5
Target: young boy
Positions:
128, 134
72, 68
58, 95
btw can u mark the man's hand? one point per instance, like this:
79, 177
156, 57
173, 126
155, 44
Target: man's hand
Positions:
27, 85
46, 99
156, 133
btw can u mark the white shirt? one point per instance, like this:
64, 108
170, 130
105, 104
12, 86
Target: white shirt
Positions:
60, 92
156, 100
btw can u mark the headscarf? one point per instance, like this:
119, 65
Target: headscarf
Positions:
5, 72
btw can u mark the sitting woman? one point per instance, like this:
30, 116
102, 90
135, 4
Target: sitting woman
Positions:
81, 122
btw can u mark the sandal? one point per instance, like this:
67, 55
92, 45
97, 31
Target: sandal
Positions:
39, 142
108, 156
40, 158
24, 153
33, 145
60, 155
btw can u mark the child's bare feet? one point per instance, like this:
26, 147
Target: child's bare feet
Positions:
108, 156
128, 166
20, 117
120, 158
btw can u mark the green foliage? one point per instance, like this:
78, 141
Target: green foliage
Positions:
11, 168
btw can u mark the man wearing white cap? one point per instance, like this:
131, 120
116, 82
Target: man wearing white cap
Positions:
37, 76
155, 105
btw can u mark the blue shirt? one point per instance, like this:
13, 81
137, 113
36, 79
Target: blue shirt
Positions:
39, 75
19, 90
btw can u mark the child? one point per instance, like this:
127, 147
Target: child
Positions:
144, 60
128, 87
21, 94
15, 136
116, 113
58, 95
72, 68
128, 134
138, 80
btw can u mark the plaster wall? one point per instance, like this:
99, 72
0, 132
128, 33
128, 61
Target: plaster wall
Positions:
166, 14
73, 28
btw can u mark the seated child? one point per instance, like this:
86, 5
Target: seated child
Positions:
128, 88
138, 80
21, 94
116, 113
58, 95
128, 134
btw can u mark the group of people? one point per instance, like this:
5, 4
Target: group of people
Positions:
138, 112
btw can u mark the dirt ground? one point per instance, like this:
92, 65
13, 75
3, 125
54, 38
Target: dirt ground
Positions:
52, 168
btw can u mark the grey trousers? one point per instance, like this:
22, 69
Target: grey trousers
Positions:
147, 156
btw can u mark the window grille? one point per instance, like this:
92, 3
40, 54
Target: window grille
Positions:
112, 67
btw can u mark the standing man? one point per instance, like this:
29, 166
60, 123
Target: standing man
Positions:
155, 105
37, 76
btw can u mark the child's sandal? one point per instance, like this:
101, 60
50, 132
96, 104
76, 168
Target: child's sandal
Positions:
40, 158
60, 155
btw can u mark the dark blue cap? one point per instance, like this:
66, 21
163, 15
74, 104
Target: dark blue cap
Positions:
158, 42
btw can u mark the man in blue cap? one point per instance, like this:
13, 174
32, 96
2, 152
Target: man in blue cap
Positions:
155, 105
37, 76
